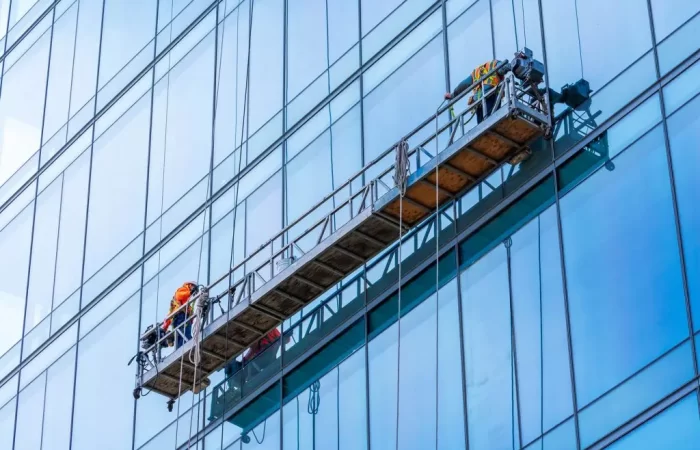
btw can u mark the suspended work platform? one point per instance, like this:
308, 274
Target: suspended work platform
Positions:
352, 226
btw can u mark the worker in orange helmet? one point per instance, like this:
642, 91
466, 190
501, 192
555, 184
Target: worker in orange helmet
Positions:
490, 82
182, 295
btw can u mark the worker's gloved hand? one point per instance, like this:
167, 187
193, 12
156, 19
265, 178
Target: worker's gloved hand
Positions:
448, 96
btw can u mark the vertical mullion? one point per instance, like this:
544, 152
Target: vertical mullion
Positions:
463, 366
145, 207
85, 228
674, 198
562, 261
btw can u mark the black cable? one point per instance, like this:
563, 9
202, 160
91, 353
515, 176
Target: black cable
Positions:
314, 398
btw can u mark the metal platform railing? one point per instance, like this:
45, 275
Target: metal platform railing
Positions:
261, 292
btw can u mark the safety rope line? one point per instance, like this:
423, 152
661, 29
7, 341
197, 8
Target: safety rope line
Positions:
437, 271
401, 171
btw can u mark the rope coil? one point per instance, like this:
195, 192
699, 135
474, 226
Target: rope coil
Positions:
402, 166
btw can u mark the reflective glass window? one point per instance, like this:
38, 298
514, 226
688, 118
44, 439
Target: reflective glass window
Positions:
41, 275
309, 177
117, 201
22, 107
627, 306
491, 396
540, 326
307, 45
181, 132
71, 236
679, 44
417, 86
266, 62
60, 75
264, 213
682, 88
516, 24
7, 423
684, 132
383, 359
101, 357
678, 427
472, 26
14, 240
584, 39
29, 415
58, 403
670, 14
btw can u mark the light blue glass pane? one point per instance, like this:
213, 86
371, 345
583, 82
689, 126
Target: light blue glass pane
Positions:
115, 201
59, 403
14, 240
450, 394
417, 86
679, 45
4, 10
670, 14
396, 20
682, 88
418, 379
43, 255
69, 261
265, 436
678, 428
21, 108
101, 356
626, 305
265, 97
352, 386
488, 353
54, 350
60, 74
636, 395
343, 27
307, 45
264, 214
383, 390
471, 27
86, 55
29, 415
7, 423
540, 326
309, 177
8, 389
347, 147
684, 132
562, 437
633, 125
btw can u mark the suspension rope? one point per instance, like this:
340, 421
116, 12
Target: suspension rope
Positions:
401, 171
314, 398
437, 269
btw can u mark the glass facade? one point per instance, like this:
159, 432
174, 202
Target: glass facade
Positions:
146, 143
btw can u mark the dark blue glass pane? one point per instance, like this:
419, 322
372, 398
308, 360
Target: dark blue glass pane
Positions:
625, 289
684, 133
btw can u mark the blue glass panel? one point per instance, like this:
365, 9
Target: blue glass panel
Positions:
58, 405
684, 132
627, 305
307, 45
540, 326
491, 413
309, 177
29, 415
678, 428
343, 27
60, 74
682, 89
473, 26
418, 379
670, 14
383, 359
352, 385
562, 437
101, 357
14, 240
417, 86
266, 62
87, 47
22, 108
7, 423
43, 255
679, 45
636, 394
450, 393
115, 201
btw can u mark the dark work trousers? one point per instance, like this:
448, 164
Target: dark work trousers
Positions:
178, 320
490, 103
